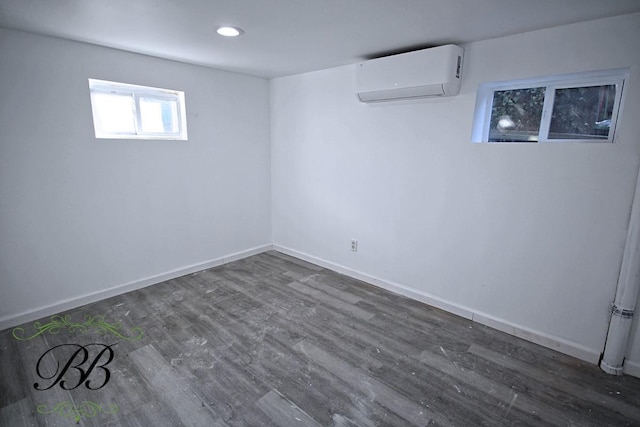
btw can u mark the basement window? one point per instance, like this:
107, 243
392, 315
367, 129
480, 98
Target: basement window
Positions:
571, 108
126, 111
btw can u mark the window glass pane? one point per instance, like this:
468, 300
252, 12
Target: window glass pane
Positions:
113, 113
126, 111
516, 114
582, 112
158, 115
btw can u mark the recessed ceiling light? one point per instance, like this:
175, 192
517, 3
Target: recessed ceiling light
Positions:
229, 31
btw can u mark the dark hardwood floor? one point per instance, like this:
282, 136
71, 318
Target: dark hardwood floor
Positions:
274, 341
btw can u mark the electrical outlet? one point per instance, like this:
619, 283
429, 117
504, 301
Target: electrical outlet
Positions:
354, 245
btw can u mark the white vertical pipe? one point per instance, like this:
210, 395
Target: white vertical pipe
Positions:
626, 298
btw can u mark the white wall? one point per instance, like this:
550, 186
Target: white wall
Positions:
80, 216
527, 238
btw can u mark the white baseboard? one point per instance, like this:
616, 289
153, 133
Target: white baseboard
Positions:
384, 284
550, 341
555, 343
632, 368
13, 320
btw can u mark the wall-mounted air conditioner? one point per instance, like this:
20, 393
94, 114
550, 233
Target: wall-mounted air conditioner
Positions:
428, 72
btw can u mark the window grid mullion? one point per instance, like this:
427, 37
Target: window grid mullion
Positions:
547, 112
487, 121
616, 109
137, 113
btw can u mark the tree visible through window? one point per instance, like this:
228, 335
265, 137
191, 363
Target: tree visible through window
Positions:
582, 112
516, 114
581, 107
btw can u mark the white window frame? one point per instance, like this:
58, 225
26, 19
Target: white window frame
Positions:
137, 92
485, 95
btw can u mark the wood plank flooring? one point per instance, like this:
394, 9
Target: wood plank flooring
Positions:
271, 340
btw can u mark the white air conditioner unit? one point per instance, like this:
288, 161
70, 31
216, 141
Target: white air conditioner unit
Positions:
422, 73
